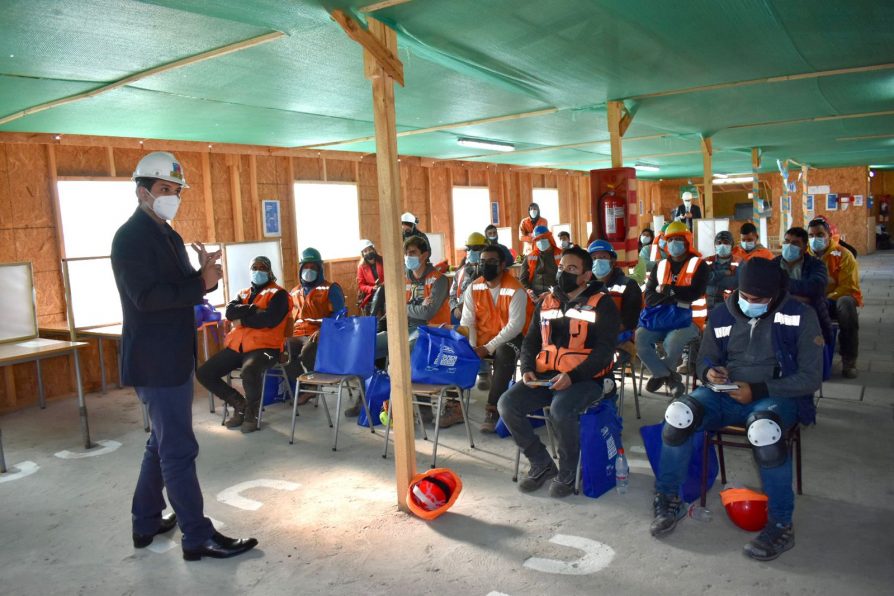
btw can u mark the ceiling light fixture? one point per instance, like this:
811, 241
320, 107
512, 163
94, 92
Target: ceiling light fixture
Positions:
481, 144
735, 180
644, 167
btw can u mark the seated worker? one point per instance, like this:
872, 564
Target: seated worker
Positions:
570, 346
842, 293
624, 291
313, 299
679, 280
526, 228
643, 249
491, 235
541, 265
722, 270
768, 345
409, 228
658, 249
370, 275
467, 272
565, 240
807, 277
749, 247
259, 315
496, 311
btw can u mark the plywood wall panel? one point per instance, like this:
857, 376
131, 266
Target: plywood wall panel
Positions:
126, 161
37, 245
82, 161
307, 168
340, 171
7, 246
266, 166
6, 214
29, 186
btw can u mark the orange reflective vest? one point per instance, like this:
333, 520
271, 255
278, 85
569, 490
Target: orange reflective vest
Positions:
490, 317
664, 276
740, 255
309, 310
566, 358
247, 339
425, 284
534, 257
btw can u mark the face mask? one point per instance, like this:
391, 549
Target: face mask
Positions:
474, 256
723, 250
567, 281
676, 248
748, 245
687, 204
662, 243
565, 244
412, 263
752, 311
491, 238
309, 275
165, 206
601, 267
543, 245
790, 252
533, 213
490, 271
645, 240
817, 244
259, 278
371, 257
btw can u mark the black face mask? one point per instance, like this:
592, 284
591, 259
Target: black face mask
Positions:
567, 281
490, 271
371, 256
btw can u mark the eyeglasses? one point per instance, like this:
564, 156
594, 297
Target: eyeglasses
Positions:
490, 261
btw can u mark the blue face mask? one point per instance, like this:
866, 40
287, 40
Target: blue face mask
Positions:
676, 248
662, 243
723, 250
749, 246
259, 278
602, 267
817, 244
474, 257
752, 311
411, 262
790, 252
543, 245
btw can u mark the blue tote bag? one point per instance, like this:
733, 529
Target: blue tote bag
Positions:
378, 391
665, 317
347, 346
692, 486
600, 438
443, 357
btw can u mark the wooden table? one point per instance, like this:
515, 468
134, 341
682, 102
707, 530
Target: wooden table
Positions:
112, 332
35, 350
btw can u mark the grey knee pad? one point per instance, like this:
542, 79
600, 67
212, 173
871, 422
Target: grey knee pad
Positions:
681, 418
765, 434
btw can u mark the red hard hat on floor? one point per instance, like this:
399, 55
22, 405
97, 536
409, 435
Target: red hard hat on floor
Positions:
746, 508
432, 493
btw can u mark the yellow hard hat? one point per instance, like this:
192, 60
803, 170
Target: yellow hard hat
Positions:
676, 228
476, 239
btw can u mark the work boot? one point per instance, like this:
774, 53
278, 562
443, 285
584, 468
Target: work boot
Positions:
655, 383
483, 381
235, 419
675, 385
669, 509
452, 415
849, 369
354, 411
490, 419
304, 397
250, 419
538, 475
773, 540
562, 485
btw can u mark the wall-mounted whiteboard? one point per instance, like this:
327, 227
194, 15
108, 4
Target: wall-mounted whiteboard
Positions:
94, 296
561, 228
436, 240
19, 320
657, 223
238, 257
504, 237
705, 231
216, 298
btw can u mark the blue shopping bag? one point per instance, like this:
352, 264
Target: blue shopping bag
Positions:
692, 486
600, 438
443, 357
275, 390
378, 391
347, 346
665, 317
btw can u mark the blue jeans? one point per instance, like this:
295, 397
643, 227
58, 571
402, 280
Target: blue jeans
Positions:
170, 462
721, 410
674, 342
382, 341
564, 409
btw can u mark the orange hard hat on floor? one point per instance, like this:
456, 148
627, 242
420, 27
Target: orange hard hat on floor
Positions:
432, 493
746, 508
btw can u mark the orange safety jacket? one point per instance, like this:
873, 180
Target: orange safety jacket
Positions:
534, 257
740, 255
490, 317
664, 276
310, 310
443, 314
566, 358
844, 273
247, 339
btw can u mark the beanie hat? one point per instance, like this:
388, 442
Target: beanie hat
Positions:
760, 277
725, 236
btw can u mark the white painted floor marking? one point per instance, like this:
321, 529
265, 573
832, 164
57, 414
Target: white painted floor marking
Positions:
597, 557
231, 496
106, 447
26, 468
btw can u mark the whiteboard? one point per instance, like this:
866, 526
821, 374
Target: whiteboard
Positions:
216, 298
19, 320
705, 231
238, 257
95, 301
657, 223
504, 237
436, 242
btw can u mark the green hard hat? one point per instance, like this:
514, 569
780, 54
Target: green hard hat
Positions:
311, 255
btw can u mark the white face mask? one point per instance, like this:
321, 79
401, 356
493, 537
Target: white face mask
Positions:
565, 244
165, 206
543, 245
309, 275
533, 213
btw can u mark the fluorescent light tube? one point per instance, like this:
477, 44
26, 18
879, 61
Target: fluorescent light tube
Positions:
491, 145
737, 180
646, 168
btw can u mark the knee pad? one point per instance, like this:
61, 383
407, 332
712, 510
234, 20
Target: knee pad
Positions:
764, 430
681, 418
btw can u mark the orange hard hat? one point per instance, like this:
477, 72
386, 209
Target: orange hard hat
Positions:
432, 493
746, 508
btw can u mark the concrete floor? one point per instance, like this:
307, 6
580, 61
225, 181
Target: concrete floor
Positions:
328, 524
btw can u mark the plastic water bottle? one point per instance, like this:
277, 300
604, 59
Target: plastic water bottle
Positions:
622, 472
699, 513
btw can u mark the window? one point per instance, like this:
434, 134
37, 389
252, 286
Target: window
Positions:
548, 199
327, 218
471, 213
91, 213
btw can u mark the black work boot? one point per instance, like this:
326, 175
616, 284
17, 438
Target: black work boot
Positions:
538, 475
250, 418
669, 509
773, 540
236, 418
491, 416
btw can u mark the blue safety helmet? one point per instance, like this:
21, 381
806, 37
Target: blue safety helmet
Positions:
541, 230
600, 246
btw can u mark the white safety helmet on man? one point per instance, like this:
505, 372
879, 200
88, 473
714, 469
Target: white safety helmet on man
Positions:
160, 165
408, 218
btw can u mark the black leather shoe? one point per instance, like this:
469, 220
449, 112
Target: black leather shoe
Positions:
168, 523
220, 547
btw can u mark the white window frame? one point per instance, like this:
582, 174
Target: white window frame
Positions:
342, 236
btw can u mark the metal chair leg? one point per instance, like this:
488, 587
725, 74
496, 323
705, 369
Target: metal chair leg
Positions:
517, 463
341, 386
462, 407
365, 406
434, 454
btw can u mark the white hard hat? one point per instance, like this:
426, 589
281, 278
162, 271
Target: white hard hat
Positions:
364, 244
408, 218
687, 196
161, 165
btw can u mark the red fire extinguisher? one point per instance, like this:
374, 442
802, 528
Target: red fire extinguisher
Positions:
614, 228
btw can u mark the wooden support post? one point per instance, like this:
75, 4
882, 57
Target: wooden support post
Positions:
615, 115
392, 252
236, 197
208, 195
255, 198
707, 155
53, 179
755, 188
805, 215
113, 172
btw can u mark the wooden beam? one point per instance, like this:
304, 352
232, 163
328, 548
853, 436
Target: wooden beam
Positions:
865, 138
755, 188
53, 179
208, 196
236, 197
814, 119
382, 5
707, 154
221, 51
601, 161
388, 175
255, 199
568, 146
111, 154
615, 114
385, 58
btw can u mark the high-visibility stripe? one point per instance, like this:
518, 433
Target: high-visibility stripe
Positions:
507, 291
721, 332
479, 286
617, 289
691, 265
583, 315
790, 320
549, 315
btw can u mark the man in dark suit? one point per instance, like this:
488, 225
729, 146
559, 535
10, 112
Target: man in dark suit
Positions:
158, 289
686, 212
